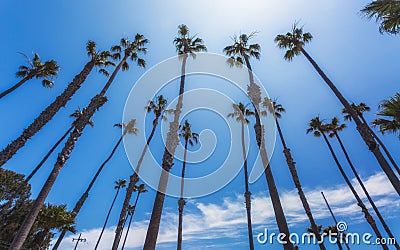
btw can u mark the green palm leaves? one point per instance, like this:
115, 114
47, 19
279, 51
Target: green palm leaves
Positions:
130, 49
241, 50
293, 41
187, 134
187, 44
390, 113
387, 13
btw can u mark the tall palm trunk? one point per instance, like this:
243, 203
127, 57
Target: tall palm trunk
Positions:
336, 222
385, 226
167, 162
46, 115
27, 179
108, 216
85, 195
181, 201
133, 179
360, 203
247, 193
17, 85
255, 96
296, 180
381, 144
130, 221
361, 127
96, 102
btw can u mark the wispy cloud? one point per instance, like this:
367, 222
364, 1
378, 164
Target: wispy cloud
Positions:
208, 221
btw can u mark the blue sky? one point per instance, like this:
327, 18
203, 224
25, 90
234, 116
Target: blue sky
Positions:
361, 62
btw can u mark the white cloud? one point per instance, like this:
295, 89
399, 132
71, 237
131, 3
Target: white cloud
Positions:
227, 220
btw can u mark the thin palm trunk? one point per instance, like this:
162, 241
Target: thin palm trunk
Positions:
296, 180
247, 193
27, 179
133, 179
336, 222
361, 127
167, 162
255, 96
381, 144
46, 115
85, 195
181, 201
130, 221
360, 203
96, 102
108, 216
385, 226
17, 85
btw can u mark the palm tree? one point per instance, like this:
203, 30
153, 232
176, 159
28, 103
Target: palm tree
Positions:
241, 51
35, 69
190, 138
131, 210
185, 45
318, 128
277, 109
294, 43
159, 108
390, 109
96, 102
98, 59
334, 128
340, 234
360, 109
387, 12
240, 112
126, 129
118, 185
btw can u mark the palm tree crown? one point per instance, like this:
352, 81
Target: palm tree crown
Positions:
132, 50
128, 128
100, 58
387, 12
242, 49
334, 127
187, 134
47, 70
293, 41
121, 183
241, 112
158, 107
390, 109
186, 44
316, 126
273, 107
360, 109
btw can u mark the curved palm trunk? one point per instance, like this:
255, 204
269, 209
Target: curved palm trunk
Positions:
46, 114
381, 144
85, 195
360, 203
17, 85
296, 180
361, 127
108, 216
255, 96
336, 222
130, 221
27, 179
181, 201
247, 193
167, 162
133, 179
96, 102
385, 226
